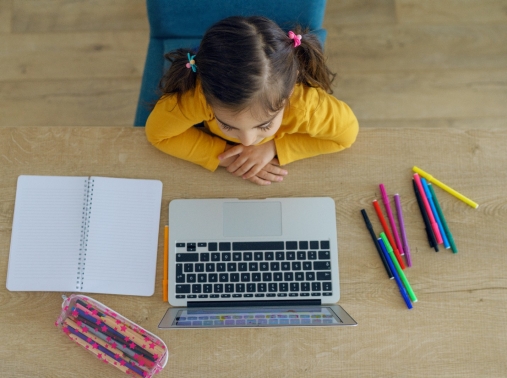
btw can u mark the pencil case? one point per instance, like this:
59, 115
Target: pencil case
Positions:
112, 338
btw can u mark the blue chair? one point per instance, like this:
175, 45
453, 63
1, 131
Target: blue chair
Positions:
176, 24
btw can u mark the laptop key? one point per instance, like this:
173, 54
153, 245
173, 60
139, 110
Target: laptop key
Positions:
269, 256
188, 268
240, 288
324, 255
316, 286
283, 286
191, 247
257, 246
294, 286
290, 255
205, 257
196, 288
324, 244
245, 277
291, 244
266, 277
182, 289
210, 267
321, 265
253, 267
224, 246
250, 287
299, 276
234, 277
261, 287
242, 267
301, 255
218, 288
273, 287
187, 257
326, 286
201, 278
305, 286
247, 256
213, 277
256, 277
303, 245
226, 256
212, 247
314, 244
229, 288
274, 266
215, 256
307, 265
191, 278
231, 267
310, 276
280, 255
277, 276
323, 276
258, 256
223, 277
199, 268
264, 266
207, 288
236, 256
221, 267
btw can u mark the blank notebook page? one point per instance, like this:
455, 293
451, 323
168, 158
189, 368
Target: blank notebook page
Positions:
123, 236
46, 233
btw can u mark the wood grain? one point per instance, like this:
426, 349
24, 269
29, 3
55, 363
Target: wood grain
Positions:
456, 329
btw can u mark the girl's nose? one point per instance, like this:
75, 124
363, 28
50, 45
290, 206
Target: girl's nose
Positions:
247, 139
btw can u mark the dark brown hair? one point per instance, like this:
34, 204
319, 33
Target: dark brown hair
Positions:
244, 61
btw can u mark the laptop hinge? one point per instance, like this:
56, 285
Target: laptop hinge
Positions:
302, 302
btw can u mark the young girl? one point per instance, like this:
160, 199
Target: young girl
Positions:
263, 96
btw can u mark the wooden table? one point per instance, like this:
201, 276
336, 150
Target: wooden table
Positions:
458, 328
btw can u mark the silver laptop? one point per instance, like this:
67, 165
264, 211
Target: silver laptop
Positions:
253, 263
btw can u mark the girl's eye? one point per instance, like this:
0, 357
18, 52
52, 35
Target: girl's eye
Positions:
225, 127
266, 128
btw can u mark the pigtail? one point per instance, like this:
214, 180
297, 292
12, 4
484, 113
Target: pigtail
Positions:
313, 71
181, 76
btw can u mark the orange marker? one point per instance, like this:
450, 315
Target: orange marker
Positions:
165, 282
388, 233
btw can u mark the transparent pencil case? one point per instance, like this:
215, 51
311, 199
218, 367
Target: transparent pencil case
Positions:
111, 337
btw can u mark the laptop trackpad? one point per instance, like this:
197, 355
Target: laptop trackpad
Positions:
252, 218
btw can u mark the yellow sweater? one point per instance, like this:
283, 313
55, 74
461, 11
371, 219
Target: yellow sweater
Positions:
313, 123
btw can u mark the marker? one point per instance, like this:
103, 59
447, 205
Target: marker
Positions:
448, 189
429, 231
396, 276
442, 218
410, 292
372, 234
165, 282
434, 210
386, 230
434, 225
390, 216
403, 232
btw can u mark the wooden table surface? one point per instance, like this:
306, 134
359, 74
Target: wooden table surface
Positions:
458, 328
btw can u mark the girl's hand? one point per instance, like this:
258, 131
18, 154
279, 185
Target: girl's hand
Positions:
271, 172
250, 160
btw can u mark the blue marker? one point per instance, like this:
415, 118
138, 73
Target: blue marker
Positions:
395, 274
426, 188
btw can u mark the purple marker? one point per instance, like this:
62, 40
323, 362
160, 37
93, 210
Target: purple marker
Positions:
406, 249
389, 212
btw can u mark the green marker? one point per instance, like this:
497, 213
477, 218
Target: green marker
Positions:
410, 292
442, 218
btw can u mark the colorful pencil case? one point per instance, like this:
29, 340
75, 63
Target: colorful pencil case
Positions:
111, 337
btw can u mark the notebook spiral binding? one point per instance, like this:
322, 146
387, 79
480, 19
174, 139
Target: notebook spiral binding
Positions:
85, 228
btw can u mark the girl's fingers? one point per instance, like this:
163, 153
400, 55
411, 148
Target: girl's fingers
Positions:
236, 150
257, 180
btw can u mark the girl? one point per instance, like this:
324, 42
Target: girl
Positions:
263, 96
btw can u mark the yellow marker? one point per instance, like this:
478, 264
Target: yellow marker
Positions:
449, 190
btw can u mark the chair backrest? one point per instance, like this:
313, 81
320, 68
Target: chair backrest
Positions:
182, 23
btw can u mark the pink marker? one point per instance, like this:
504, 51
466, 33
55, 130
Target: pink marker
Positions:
434, 224
390, 216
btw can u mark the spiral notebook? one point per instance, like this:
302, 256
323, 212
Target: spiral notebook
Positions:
85, 234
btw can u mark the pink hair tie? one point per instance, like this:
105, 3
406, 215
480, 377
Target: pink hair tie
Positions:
297, 38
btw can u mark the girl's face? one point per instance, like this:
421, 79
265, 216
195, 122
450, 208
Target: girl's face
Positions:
249, 127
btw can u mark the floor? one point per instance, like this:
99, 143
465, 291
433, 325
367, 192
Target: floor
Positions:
400, 63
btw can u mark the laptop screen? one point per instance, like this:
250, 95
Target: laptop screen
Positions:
254, 317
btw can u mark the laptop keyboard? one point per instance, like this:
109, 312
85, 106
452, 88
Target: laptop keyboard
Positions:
210, 270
